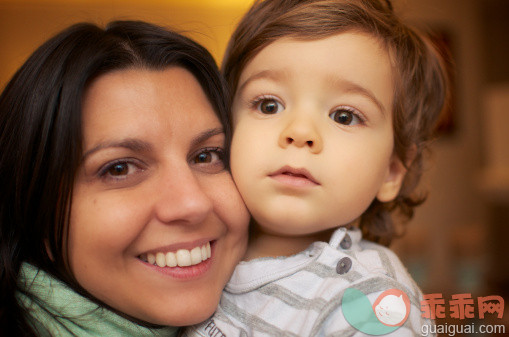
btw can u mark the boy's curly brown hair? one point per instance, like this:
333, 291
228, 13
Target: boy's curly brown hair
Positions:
421, 86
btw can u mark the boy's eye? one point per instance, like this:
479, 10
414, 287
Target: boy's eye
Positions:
270, 106
345, 116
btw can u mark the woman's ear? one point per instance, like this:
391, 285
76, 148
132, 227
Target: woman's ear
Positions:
393, 180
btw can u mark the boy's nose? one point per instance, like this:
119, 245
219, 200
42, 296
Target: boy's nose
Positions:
301, 132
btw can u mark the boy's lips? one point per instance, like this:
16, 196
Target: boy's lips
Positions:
298, 176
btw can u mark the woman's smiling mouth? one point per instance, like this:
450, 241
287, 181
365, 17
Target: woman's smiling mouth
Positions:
180, 258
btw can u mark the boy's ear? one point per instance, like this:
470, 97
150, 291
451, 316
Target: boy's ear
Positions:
393, 180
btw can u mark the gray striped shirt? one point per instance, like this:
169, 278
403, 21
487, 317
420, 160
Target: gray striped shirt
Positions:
301, 295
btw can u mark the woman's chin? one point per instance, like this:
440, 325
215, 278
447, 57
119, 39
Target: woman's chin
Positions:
184, 314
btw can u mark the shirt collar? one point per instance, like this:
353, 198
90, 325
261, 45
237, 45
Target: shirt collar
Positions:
250, 275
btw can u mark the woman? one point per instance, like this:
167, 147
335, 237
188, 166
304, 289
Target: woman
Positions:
118, 215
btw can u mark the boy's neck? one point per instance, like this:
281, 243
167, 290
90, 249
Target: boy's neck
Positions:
264, 244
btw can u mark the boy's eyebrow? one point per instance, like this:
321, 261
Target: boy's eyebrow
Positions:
348, 85
271, 74
353, 87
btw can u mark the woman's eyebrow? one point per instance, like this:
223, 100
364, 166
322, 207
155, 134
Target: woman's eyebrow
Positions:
141, 146
129, 143
203, 136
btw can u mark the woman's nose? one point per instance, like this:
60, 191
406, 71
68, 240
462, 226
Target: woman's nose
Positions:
181, 199
301, 132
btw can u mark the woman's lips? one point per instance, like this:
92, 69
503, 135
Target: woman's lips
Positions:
298, 177
180, 258
182, 264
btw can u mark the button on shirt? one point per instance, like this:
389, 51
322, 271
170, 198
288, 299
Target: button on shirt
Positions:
346, 242
344, 266
301, 295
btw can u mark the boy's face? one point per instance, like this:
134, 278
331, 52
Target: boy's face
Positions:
313, 136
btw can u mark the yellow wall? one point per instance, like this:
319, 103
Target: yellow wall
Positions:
24, 25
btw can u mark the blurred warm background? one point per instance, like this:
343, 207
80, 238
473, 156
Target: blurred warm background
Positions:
459, 240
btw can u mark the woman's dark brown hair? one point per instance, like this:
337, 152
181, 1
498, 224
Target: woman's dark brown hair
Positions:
420, 79
41, 139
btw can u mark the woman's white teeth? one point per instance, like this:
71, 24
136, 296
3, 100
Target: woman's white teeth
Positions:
161, 260
196, 255
181, 258
171, 259
151, 258
204, 252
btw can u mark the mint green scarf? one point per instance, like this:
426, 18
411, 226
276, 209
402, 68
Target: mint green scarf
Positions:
57, 310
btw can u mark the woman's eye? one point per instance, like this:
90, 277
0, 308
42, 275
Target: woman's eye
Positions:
269, 106
345, 117
211, 160
205, 157
118, 170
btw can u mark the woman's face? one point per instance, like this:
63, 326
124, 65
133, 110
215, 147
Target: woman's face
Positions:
152, 186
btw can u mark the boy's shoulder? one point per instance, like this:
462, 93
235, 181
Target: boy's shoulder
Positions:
381, 259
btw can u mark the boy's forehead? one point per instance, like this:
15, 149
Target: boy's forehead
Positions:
291, 43
352, 60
